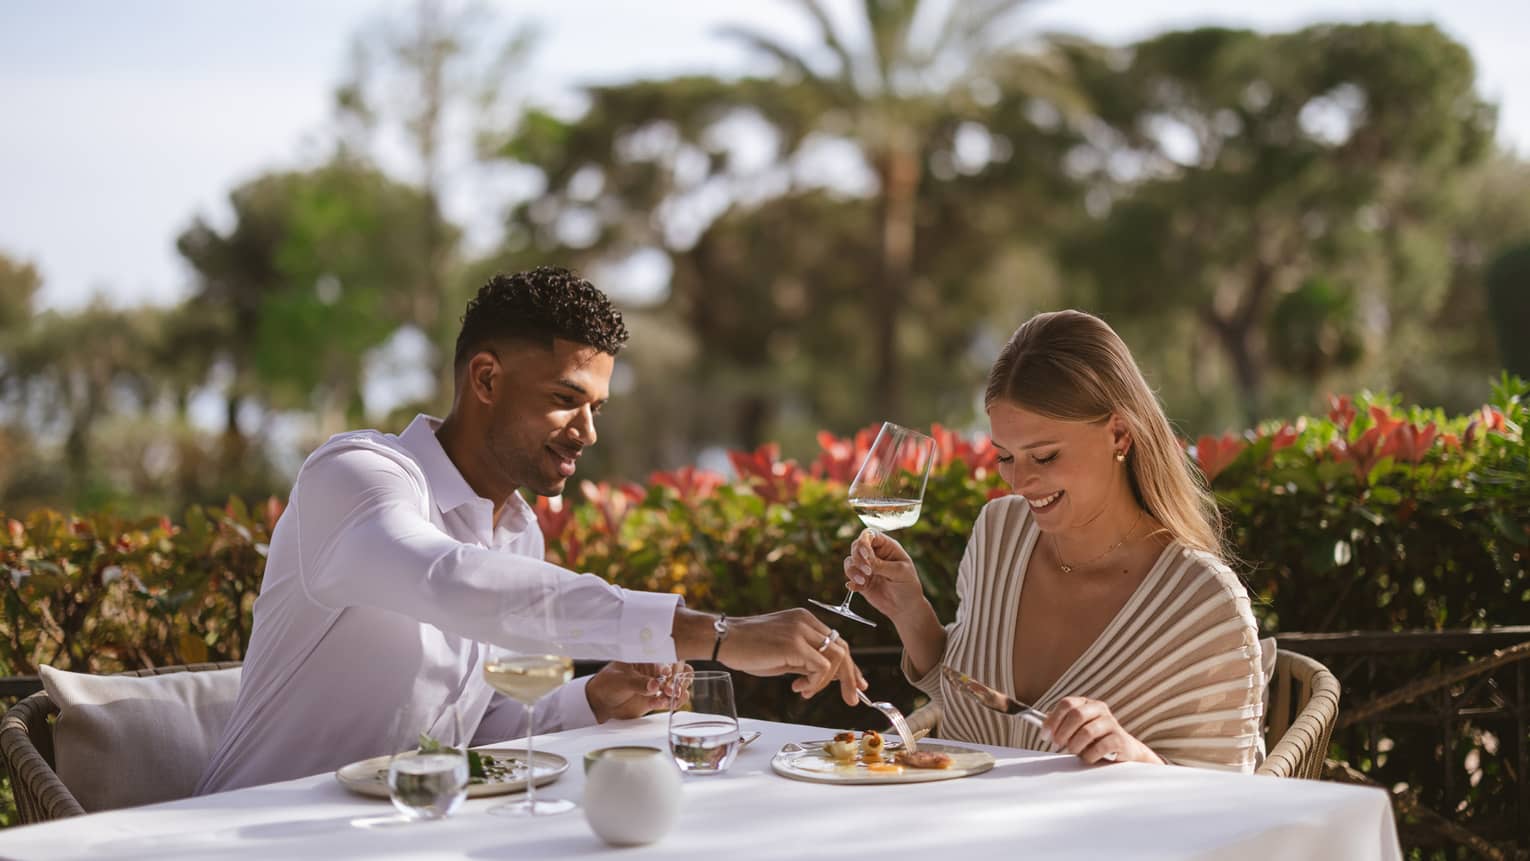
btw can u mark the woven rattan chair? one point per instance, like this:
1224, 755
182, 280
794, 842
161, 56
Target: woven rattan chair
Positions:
26, 747
1304, 704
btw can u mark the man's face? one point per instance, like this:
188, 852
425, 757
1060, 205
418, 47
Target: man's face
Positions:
543, 416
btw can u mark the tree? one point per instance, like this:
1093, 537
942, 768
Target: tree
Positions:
773, 268
318, 267
1508, 288
891, 98
426, 78
1237, 167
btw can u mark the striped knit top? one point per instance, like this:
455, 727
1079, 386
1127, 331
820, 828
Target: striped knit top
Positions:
1179, 665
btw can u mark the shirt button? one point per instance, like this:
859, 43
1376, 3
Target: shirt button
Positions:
646, 635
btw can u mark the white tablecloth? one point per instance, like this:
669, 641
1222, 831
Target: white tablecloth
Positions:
1030, 804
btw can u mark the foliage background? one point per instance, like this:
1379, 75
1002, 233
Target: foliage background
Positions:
1370, 517
846, 234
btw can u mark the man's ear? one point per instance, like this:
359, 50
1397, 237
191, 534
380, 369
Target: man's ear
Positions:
483, 376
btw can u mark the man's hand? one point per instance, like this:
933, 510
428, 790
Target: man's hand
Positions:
792, 641
625, 691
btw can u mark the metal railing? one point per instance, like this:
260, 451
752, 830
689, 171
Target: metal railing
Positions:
1471, 734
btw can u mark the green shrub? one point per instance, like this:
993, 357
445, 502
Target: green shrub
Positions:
1372, 517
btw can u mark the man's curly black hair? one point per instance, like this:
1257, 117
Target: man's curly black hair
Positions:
545, 303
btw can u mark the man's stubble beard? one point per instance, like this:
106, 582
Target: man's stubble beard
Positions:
518, 465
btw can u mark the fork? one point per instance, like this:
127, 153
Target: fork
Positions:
894, 716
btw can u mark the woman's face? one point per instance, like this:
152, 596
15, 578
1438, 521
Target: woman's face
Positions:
1066, 470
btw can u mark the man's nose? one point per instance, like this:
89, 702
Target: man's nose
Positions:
584, 426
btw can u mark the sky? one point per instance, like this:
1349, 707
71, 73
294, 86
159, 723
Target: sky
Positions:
121, 122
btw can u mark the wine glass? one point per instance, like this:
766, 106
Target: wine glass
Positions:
526, 679
888, 490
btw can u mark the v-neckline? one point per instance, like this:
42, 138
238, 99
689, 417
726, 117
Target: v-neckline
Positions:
1007, 657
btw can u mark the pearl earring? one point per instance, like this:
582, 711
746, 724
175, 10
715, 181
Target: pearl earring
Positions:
1120, 457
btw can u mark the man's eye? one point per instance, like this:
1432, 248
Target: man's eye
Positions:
1048, 459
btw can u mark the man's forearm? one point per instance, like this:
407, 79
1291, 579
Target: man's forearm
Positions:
693, 634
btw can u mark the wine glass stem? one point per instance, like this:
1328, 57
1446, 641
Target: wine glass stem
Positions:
850, 595
531, 759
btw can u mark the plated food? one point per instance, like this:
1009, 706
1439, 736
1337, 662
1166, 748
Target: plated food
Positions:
498, 771
867, 757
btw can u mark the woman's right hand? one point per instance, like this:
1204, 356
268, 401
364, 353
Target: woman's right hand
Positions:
879, 568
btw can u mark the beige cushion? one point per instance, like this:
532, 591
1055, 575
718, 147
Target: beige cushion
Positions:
121, 741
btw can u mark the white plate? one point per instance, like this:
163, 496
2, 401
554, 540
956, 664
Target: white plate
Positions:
807, 761
370, 776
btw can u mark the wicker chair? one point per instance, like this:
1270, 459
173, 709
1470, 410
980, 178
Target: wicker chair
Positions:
1304, 704
26, 747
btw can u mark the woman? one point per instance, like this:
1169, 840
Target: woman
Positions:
1095, 592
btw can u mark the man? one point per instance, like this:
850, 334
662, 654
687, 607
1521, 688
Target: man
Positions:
401, 560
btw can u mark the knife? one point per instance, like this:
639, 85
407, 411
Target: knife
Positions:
994, 700
991, 699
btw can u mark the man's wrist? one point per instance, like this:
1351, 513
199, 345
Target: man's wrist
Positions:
720, 633
694, 634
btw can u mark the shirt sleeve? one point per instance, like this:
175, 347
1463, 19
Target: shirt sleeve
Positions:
568, 707
364, 540
966, 576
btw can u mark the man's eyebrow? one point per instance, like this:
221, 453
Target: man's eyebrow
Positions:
581, 390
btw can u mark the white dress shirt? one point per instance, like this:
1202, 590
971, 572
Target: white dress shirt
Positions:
385, 582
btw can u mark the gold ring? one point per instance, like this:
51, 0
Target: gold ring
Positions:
833, 635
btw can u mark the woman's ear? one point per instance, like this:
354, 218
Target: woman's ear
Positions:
1120, 434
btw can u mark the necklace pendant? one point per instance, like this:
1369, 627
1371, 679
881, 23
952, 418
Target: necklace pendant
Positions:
1067, 569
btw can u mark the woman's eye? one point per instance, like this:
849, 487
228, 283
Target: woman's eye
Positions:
1006, 458
1048, 459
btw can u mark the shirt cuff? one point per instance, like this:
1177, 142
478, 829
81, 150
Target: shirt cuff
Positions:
647, 627
929, 683
573, 705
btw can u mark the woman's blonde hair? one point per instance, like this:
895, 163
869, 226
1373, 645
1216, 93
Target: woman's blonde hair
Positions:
1071, 366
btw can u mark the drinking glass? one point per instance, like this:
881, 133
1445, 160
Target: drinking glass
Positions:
430, 783
526, 679
888, 490
703, 725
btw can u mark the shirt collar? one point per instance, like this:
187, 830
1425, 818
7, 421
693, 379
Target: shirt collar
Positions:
447, 486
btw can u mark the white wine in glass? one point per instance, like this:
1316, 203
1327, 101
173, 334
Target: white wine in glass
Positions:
526, 679
888, 490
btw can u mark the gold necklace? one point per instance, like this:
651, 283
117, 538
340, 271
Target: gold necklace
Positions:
1068, 569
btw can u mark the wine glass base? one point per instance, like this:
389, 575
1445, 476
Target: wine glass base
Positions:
539, 807
844, 611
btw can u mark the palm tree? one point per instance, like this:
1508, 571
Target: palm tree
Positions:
888, 96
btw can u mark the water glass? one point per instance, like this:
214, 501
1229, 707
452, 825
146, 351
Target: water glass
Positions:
703, 724
431, 783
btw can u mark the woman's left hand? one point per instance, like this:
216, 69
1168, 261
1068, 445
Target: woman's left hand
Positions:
1087, 729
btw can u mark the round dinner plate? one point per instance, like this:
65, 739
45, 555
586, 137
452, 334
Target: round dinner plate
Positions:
370, 776
807, 761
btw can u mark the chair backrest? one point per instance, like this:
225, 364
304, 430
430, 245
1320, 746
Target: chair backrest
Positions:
1304, 704
26, 748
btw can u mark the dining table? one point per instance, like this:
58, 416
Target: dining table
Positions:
1030, 804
